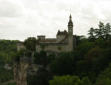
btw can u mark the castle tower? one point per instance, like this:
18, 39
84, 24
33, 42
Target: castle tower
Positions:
70, 33
70, 25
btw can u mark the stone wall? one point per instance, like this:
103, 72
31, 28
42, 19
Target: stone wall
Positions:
20, 46
60, 37
59, 47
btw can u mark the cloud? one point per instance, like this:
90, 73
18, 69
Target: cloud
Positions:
9, 9
20, 19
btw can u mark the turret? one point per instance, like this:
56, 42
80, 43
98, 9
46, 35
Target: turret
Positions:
70, 25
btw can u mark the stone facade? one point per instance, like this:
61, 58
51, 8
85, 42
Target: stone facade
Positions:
62, 43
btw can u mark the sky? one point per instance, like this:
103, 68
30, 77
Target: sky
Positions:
20, 19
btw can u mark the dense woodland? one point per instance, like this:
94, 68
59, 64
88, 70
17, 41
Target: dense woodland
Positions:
88, 64
8, 51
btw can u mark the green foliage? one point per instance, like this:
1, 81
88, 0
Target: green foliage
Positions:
85, 81
91, 34
63, 64
105, 77
7, 51
40, 78
65, 80
6, 44
94, 53
41, 58
103, 32
7, 55
11, 84
69, 80
30, 43
5, 75
83, 48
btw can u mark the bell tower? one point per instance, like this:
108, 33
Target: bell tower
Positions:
70, 33
70, 25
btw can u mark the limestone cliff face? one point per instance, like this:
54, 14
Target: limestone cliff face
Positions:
20, 73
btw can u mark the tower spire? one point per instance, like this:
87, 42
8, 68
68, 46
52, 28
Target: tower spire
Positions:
70, 17
70, 25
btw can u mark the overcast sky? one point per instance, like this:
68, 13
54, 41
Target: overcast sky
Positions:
20, 19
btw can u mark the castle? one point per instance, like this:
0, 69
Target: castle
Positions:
64, 41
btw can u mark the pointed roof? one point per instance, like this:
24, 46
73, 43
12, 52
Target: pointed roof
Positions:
62, 32
70, 21
70, 17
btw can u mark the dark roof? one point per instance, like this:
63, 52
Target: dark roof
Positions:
62, 32
41, 36
54, 40
70, 21
48, 40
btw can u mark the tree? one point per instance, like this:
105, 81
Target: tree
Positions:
107, 31
41, 58
7, 50
41, 77
69, 80
85, 81
83, 48
105, 77
65, 80
30, 43
100, 31
103, 32
63, 64
83, 68
91, 34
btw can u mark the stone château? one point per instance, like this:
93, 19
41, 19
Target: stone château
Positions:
64, 41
